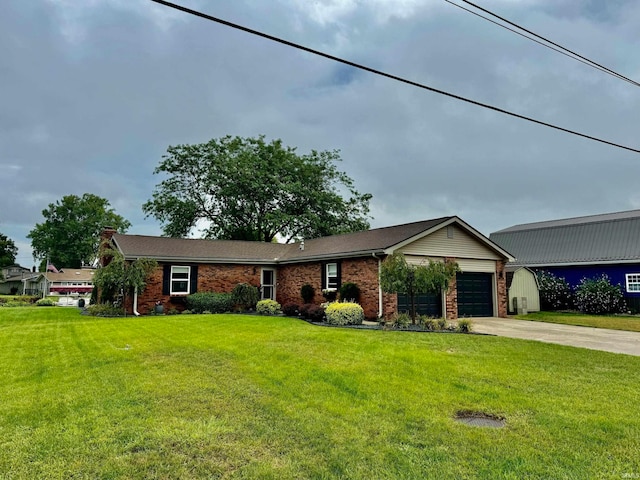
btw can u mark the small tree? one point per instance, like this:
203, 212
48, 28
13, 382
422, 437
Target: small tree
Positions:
246, 296
397, 276
307, 292
120, 277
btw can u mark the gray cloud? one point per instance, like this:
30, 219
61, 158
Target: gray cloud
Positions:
94, 92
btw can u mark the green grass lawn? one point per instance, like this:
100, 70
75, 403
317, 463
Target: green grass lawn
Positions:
236, 396
615, 322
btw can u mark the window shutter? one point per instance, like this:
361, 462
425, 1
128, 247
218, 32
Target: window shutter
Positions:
166, 280
323, 275
193, 288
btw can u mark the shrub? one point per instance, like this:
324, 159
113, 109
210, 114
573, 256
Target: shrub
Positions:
105, 310
16, 303
464, 325
173, 311
429, 324
400, 320
555, 292
349, 292
307, 292
268, 307
290, 309
186, 312
245, 296
45, 302
441, 323
210, 302
344, 313
598, 296
316, 313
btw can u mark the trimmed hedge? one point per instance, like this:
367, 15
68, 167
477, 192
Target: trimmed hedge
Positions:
268, 307
344, 313
209, 302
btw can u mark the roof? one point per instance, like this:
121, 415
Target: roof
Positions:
593, 239
70, 275
377, 241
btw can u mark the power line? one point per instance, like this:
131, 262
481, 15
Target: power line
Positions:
386, 75
558, 50
573, 54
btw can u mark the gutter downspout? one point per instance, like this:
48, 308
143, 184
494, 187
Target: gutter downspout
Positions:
135, 302
380, 313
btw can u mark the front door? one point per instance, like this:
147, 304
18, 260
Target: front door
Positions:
268, 283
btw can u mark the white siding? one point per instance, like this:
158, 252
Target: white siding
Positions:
462, 245
469, 265
524, 285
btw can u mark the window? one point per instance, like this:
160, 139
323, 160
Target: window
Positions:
633, 282
331, 273
180, 280
268, 284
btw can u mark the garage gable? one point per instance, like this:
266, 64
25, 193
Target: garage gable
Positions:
450, 241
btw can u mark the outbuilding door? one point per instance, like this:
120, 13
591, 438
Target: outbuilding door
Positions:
429, 304
475, 294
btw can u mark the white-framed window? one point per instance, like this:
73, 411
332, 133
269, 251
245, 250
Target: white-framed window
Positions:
633, 282
180, 277
268, 282
331, 273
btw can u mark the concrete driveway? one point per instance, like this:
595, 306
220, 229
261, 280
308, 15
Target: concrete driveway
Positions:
616, 341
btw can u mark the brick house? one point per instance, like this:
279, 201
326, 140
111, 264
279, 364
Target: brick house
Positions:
280, 270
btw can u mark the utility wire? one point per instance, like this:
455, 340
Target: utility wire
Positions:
384, 74
573, 54
558, 50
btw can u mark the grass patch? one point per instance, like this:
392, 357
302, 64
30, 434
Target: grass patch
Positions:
614, 322
238, 396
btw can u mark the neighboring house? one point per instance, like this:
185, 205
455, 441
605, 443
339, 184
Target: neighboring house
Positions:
523, 289
11, 281
582, 247
280, 270
66, 281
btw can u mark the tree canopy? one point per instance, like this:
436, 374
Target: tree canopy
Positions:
398, 276
70, 234
248, 189
8, 251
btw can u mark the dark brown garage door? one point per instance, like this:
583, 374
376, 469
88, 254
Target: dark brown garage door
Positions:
475, 294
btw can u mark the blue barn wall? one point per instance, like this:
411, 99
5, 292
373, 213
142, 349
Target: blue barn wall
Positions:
616, 274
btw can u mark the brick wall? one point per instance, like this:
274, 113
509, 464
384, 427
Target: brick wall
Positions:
211, 278
361, 271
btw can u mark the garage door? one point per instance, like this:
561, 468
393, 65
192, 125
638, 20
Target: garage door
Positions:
426, 304
475, 294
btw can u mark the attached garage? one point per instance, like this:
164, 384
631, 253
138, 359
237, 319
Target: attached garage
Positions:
427, 304
475, 294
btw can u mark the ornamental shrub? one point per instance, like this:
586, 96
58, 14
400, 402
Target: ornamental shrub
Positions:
307, 293
209, 302
401, 320
555, 292
45, 302
290, 309
349, 292
598, 296
304, 310
268, 307
105, 310
245, 296
464, 325
315, 313
344, 313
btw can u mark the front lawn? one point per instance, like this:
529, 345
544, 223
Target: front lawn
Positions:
615, 322
238, 396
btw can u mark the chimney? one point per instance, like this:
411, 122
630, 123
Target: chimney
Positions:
302, 244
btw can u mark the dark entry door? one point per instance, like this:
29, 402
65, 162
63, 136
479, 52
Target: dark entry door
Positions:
429, 304
475, 294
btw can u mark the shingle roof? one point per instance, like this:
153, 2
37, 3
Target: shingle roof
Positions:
375, 240
607, 238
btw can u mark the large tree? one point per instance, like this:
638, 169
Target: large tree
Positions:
8, 251
248, 189
70, 234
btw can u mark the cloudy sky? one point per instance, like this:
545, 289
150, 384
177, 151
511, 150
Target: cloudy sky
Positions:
94, 91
